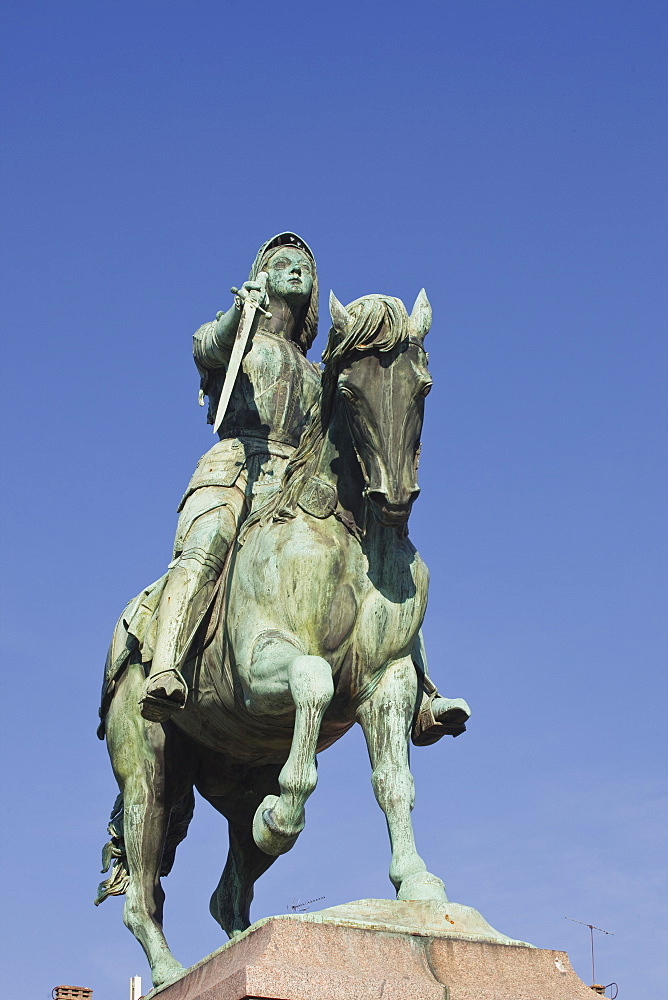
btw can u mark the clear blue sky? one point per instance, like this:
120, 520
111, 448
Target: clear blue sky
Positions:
510, 156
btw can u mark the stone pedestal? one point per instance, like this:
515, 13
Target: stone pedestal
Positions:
378, 950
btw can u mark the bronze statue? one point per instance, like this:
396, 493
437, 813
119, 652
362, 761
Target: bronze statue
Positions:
262, 425
294, 603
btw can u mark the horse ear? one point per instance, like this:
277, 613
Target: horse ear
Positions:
421, 315
340, 317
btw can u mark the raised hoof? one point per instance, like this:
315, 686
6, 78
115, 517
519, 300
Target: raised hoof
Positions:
423, 885
266, 835
164, 694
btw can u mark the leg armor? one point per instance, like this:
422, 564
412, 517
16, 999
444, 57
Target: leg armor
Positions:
185, 599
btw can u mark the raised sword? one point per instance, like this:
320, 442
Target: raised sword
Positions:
251, 306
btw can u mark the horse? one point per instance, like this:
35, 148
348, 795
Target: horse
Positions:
316, 627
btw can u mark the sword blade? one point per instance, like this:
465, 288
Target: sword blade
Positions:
248, 314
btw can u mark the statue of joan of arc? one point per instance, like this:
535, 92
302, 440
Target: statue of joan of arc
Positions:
261, 427
258, 429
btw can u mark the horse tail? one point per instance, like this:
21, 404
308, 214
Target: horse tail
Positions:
114, 857
113, 852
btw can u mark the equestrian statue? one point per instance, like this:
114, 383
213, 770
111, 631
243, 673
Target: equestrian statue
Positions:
293, 604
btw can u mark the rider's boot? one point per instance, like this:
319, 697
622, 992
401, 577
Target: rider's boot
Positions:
165, 690
165, 693
184, 599
438, 716
183, 604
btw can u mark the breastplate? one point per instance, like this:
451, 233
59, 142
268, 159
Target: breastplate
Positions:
274, 391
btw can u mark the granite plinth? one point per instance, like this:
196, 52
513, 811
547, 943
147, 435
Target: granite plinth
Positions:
378, 950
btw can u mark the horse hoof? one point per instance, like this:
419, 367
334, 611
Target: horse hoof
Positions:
424, 886
266, 835
166, 971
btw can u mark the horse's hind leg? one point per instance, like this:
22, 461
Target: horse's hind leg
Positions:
386, 719
138, 755
231, 901
280, 819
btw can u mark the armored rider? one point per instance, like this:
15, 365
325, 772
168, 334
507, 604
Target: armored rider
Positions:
266, 415
272, 394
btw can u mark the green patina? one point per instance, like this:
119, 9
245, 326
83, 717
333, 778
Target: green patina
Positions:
293, 604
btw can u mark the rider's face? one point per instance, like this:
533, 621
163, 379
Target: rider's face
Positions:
290, 275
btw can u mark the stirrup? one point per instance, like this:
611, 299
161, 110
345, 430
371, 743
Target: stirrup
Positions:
427, 729
153, 708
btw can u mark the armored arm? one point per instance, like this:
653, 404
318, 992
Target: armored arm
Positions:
213, 342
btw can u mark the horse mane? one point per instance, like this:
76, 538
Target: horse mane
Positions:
379, 322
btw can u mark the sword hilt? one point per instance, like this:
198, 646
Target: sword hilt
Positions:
244, 295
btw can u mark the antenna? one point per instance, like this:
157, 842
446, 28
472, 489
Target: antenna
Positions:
298, 907
592, 928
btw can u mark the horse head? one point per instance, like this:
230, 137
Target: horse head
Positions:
376, 371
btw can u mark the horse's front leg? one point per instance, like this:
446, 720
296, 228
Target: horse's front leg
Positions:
386, 718
284, 676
